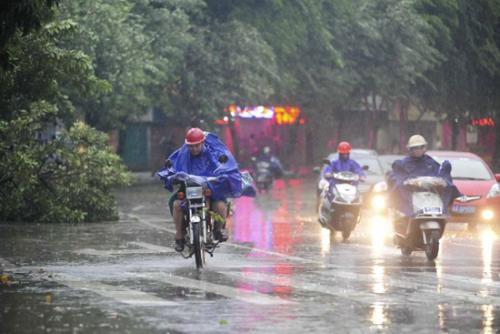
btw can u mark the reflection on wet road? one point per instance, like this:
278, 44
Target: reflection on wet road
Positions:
280, 272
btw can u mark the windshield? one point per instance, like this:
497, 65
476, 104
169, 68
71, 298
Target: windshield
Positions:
467, 168
374, 166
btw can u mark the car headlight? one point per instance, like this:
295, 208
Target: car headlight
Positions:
494, 191
380, 187
487, 214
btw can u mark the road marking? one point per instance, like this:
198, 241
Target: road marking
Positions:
138, 207
433, 288
223, 290
257, 250
153, 247
120, 294
349, 294
117, 252
6, 265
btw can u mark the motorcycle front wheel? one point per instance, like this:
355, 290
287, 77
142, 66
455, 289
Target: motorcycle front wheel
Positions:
199, 253
406, 251
432, 248
346, 234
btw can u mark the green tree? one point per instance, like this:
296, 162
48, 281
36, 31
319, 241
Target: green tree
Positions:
45, 176
135, 45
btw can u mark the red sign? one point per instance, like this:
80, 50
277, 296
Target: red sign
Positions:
487, 121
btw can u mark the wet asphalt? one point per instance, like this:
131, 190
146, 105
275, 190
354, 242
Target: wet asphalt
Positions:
279, 273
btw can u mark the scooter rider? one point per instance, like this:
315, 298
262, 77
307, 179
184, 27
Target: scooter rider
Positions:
416, 164
200, 155
344, 162
267, 156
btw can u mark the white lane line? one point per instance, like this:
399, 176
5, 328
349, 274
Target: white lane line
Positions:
223, 290
138, 207
146, 248
257, 250
115, 252
386, 250
120, 294
6, 265
153, 247
330, 289
465, 282
433, 288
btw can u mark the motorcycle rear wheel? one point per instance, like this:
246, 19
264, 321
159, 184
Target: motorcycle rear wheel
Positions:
432, 248
199, 253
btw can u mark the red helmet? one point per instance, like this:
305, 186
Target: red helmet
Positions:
344, 147
194, 136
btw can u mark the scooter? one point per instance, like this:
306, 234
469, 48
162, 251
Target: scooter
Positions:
340, 203
263, 175
424, 229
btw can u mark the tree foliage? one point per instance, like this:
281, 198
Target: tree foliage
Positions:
45, 176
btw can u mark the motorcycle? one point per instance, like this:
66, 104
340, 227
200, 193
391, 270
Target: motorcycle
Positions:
265, 171
340, 203
424, 229
198, 222
263, 175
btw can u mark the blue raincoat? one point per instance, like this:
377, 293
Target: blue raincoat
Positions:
411, 167
344, 165
231, 183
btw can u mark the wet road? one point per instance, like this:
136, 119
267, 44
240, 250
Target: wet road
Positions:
279, 273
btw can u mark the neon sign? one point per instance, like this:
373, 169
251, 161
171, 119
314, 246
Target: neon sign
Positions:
282, 115
487, 121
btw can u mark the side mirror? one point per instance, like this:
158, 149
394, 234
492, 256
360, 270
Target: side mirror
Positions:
168, 163
317, 170
223, 159
497, 176
366, 167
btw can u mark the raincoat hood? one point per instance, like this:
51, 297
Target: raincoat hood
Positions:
208, 164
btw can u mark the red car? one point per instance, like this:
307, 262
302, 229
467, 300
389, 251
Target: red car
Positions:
480, 187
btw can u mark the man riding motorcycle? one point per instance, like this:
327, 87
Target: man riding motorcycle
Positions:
417, 164
275, 164
203, 154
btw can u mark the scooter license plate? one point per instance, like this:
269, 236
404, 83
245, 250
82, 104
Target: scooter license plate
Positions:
463, 209
435, 210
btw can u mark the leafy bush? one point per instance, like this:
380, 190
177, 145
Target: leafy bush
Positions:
68, 179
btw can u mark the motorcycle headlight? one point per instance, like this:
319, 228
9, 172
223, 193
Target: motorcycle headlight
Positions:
494, 191
380, 187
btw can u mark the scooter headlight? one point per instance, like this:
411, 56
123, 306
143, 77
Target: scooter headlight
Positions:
380, 187
378, 202
494, 191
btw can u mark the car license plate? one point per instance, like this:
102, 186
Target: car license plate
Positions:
462, 209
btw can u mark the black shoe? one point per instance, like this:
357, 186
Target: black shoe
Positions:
221, 234
179, 245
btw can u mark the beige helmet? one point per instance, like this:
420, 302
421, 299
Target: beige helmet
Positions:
416, 140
